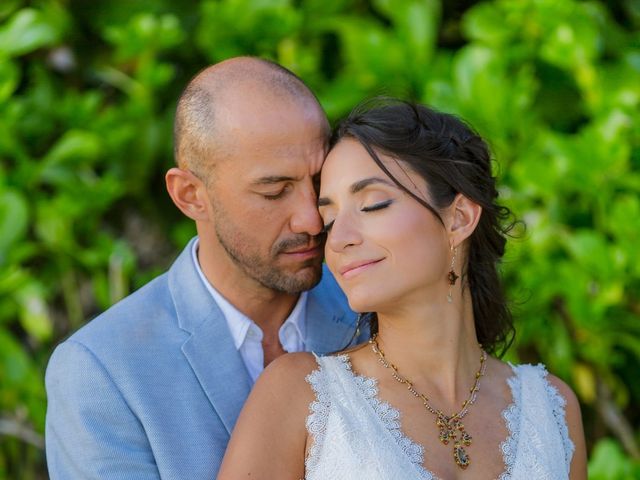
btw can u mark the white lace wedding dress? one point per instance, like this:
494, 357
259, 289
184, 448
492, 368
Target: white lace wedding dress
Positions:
356, 436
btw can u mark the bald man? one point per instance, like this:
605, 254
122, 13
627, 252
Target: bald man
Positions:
152, 387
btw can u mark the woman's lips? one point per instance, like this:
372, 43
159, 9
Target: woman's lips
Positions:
354, 268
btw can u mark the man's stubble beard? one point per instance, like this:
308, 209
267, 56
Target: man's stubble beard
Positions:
263, 270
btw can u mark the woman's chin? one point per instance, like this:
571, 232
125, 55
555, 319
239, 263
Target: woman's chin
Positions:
361, 305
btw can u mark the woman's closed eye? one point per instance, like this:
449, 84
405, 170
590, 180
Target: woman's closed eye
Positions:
369, 208
377, 206
327, 227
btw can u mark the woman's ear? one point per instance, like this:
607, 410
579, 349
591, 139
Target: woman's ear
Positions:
465, 217
188, 193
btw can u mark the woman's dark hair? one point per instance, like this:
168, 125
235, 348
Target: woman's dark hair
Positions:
452, 158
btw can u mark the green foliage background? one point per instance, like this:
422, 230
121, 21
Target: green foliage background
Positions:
87, 95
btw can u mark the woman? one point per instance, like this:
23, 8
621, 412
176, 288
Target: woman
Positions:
413, 236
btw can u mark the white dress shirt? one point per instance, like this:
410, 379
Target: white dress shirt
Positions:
247, 336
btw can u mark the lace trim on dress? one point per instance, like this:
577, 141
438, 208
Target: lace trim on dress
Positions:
511, 416
389, 416
317, 420
558, 403
330, 369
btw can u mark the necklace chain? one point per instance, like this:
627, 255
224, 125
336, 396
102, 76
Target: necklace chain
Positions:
450, 426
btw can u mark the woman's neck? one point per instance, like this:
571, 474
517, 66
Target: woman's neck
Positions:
434, 346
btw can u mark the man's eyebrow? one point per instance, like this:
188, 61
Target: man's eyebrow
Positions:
271, 179
358, 186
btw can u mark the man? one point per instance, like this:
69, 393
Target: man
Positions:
152, 387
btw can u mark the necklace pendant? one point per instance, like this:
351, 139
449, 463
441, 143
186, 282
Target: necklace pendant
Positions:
445, 435
446, 432
450, 428
460, 456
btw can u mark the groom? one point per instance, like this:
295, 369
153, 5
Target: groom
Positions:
152, 387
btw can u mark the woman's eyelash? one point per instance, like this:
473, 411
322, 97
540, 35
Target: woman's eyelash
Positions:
377, 206
327, 227
372, 208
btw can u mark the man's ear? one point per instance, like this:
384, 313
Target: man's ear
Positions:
188, 192
465, 217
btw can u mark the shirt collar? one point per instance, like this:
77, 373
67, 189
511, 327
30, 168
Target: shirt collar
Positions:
239, 324
296, 320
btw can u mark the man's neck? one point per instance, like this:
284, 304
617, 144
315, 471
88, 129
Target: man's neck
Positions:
266, 307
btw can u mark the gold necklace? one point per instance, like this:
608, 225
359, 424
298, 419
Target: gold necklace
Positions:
450, 426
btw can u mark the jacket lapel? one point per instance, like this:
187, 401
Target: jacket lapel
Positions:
209, 350
219, 368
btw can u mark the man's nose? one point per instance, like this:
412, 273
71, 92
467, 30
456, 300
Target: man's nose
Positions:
305, 218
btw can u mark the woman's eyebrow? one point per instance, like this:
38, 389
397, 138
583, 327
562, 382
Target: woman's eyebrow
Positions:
358, 186
364, 183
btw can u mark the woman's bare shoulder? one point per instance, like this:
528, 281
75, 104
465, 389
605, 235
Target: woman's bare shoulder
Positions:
564, 390
290, 367
573, 418
285, 375
274, 416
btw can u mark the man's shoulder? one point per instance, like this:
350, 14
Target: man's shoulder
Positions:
143, 312
328, 289
127, 318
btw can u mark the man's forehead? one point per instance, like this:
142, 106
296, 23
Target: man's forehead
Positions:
284, 169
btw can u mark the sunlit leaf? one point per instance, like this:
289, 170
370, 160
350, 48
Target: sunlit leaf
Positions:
34, 316
27, 30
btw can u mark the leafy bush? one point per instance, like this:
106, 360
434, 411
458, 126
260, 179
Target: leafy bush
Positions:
87, 95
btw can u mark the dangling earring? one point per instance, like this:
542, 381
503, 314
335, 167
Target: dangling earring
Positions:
451, 276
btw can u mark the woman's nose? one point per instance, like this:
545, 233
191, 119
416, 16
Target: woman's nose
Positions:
344, 233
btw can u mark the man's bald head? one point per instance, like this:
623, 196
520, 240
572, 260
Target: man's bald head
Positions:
199, 132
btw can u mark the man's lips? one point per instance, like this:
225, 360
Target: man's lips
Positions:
353, 268
305, 252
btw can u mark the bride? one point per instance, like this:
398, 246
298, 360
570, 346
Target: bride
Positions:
414, 237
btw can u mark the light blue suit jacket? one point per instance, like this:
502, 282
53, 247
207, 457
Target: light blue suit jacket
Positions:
152, 387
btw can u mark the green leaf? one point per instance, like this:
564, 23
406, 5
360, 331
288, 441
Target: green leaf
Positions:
54, 228
417, 24
485, 22
34, 315
9, 78
26, 31
624, 219
240, 27
609, 462
572, 43
145, 33
14, 363
14, 218
7, 7
74, 146
591, 251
